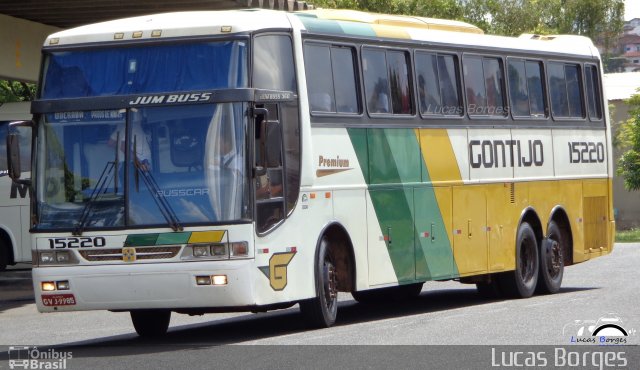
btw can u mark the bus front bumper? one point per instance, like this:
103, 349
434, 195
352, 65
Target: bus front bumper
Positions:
145, 286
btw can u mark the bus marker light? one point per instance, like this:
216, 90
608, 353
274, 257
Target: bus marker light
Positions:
54, 41
156, 33
203, 280
62, 285
263, 251
327, 195
118, 36
137, 34
48, 286
225, 29
312, 195
239, 249
219, 279
292, 249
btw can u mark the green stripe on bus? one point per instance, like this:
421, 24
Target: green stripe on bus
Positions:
173, 238
140, 240
407, 210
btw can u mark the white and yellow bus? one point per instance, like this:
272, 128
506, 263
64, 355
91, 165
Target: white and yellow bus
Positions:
250, 160
15, 241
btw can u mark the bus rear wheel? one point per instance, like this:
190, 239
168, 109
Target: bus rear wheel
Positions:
522, 282
321, 311
552, 260
151, 323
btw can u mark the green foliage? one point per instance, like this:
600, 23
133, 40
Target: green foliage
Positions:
628, 236
628, 139
12, 91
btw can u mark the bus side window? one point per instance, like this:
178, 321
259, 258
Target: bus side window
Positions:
565, 86
593, 92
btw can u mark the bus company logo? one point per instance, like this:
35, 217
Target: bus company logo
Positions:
607, 330
332, 165
506, 153
24, 357
171, 98
276, 272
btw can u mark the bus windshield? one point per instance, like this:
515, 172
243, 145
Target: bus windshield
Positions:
145, 69
143, 166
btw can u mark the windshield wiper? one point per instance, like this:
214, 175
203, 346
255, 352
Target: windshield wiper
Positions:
100, 187
152, 186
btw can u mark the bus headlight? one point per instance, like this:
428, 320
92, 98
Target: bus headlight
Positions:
219, 250
47, 258
56, 258
63, 257
200, 250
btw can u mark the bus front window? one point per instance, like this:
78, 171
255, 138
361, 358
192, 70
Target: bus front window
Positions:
183, 164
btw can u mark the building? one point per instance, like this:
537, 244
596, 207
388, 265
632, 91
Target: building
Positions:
619, 87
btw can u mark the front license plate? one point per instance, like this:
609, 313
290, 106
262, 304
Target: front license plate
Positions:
59, 300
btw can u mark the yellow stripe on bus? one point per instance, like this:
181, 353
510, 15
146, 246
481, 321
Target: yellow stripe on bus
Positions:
207, 236
390, 32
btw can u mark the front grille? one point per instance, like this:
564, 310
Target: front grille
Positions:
142, 253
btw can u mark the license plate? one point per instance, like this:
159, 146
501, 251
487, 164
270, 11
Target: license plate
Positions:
59, 300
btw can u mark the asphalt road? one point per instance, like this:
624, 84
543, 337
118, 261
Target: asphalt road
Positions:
446, 313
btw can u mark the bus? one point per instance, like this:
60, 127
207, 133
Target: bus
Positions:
251, 160
15, 241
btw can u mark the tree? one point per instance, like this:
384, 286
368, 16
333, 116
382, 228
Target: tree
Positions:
12, 91
628, 139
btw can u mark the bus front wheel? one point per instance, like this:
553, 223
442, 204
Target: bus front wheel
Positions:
151, 323
321, 311
522, 282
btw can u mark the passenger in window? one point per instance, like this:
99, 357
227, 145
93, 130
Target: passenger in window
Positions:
379, 99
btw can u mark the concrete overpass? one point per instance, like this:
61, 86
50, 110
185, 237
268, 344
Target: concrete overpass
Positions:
24, 24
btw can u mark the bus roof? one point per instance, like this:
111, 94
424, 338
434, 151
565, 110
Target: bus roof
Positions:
322, 21
394, 20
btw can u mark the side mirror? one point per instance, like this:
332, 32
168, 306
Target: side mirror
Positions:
13, 151
273, 144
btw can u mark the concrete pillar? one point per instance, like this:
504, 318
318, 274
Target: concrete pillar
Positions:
20, 45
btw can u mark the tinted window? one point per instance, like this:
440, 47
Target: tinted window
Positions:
574, 91
344, 79
335, 94
518, 91
318, 67
273, 63
558, 90
437, 84
565, 87
536, 92
376, 84
525, 88
387, 81
494, 82
399, 81
593, 91
474, 85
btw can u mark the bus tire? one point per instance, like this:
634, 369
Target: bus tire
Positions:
552, 260
151, 323
522, 282
321, 311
